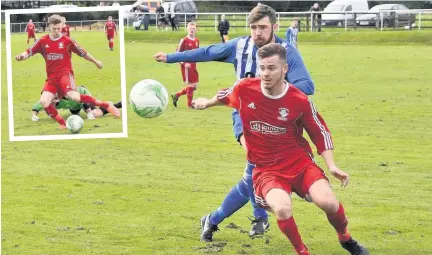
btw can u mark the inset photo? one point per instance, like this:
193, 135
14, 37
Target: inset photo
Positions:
66, 73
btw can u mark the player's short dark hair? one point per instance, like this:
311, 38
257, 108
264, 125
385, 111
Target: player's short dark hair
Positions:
261, 11
272, 49
55, 19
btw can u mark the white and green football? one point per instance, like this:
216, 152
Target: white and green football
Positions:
148, 98
74, 124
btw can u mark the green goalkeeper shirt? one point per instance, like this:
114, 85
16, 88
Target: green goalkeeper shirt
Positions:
65, 103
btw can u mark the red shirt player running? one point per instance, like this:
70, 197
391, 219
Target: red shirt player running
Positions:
189, 70
30, 29
273, 113
65, 28
57, 50
110, 31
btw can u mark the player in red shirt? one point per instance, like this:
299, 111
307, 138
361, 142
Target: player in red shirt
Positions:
65, 30
110, 30
273, 113
189, 70
57, 50
30, 29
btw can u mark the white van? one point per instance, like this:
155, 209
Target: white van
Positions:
342, 6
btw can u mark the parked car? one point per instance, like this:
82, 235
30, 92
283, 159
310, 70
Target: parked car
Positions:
389, 18
343, 6
181, 6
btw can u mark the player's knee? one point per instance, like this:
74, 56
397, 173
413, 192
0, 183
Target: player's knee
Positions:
327, 202
282, 210
45, 102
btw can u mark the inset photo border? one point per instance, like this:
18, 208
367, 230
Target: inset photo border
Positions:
35, 76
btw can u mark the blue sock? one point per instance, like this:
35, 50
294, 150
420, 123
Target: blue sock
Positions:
236, 199
258, 212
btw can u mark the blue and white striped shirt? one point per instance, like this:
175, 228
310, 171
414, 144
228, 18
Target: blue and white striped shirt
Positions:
292, 36
242, 53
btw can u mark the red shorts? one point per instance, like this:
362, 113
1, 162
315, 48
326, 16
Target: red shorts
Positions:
190, 75
282, 178
31, 35
60, 85
109, 37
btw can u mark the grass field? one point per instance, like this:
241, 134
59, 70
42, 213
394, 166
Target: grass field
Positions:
29, 78
146, 194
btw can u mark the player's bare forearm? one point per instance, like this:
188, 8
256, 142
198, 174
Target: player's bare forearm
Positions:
204, 103
90, 58
327, 155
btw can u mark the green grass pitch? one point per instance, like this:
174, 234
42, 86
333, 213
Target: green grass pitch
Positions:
29, 78
145, 194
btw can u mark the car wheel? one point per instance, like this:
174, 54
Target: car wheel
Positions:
385, 23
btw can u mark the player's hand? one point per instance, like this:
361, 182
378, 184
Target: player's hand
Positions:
187, 65
99, 64
341, 175
19, 57
160, 57
200, 103
243, 142
35, 118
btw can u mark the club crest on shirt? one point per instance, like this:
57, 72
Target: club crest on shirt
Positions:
283, 114
60, 45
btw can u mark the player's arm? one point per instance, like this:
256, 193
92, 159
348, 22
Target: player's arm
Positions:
320, 135
238, 128
115, 27
180, 48
105, 28
75, 48
36, 48
228, 97
223, 52
25, 30
298, 75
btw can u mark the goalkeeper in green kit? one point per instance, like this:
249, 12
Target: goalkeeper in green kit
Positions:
74, 107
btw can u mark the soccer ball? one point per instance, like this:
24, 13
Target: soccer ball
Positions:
148, 98
74, 124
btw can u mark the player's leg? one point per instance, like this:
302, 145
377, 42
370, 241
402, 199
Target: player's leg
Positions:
68, 88
236, 199
111, 43
260, 224
100, 112
278, 199
175, 97
46, 99
317, 185
28, 38
192, 79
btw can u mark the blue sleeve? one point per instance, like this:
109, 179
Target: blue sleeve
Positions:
237, 124
297, 74
222, 52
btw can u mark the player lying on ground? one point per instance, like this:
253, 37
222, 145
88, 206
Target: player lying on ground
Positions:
110, 31
262, 24
31, 31
188, 69
74, 107
57, 50
272, 111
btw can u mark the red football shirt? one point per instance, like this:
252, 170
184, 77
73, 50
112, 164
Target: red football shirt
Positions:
30, 28
187, 43
65, 30
110, 28
57, 54
272, 124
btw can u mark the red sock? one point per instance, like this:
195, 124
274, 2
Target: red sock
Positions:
181, 92
53, 113
111, 45
189, 94
289, 229
339, 221
86, 99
